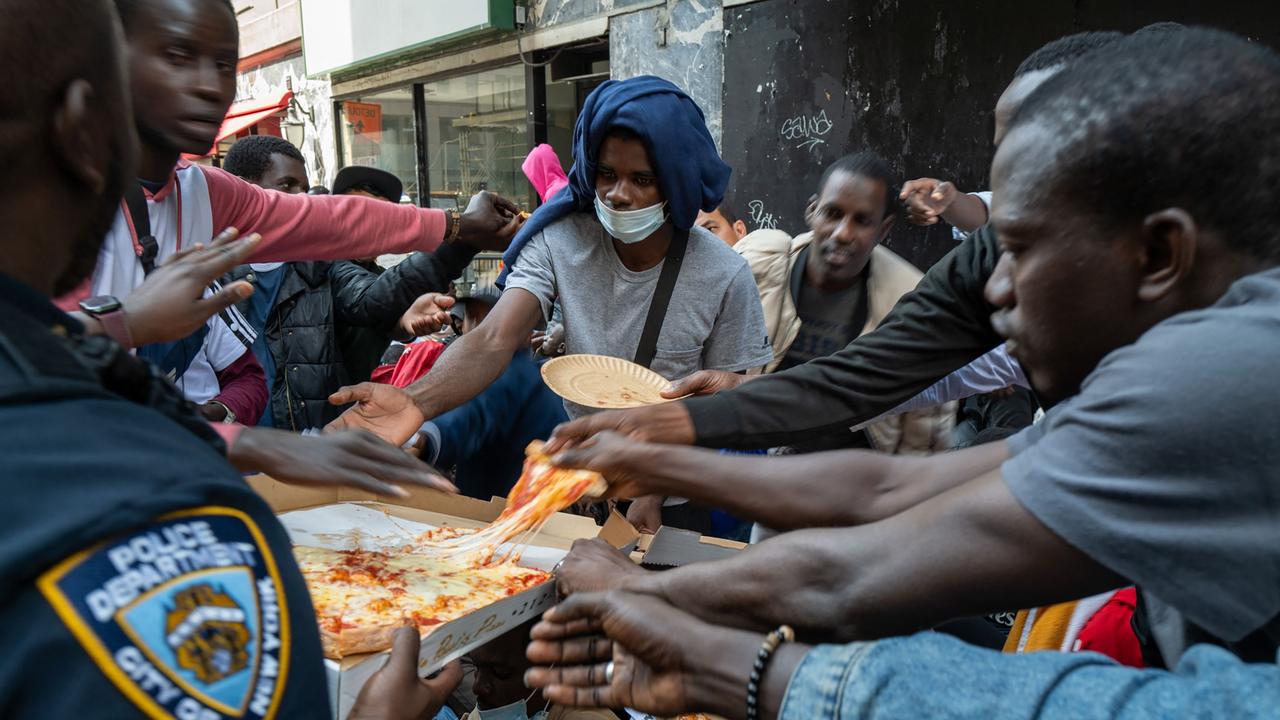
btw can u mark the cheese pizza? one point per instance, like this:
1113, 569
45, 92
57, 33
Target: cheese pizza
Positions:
362, 596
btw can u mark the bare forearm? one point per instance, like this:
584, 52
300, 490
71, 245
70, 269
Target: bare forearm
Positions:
821, 490
793, 579
832, 489
473, 362
967, 213
970, 550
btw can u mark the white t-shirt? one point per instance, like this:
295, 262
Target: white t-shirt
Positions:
221, 348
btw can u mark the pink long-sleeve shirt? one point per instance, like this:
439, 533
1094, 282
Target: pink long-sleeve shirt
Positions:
200, 201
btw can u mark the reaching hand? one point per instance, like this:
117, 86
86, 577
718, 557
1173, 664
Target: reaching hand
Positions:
384, 410
489, 222
348, 457
622, 462
594, 565
665, 423
395, 692
426, 315
704, 382
170, 304
664, 661
645, 513
926, 199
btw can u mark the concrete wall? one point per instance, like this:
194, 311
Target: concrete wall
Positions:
684, 44
681, 40
806, 82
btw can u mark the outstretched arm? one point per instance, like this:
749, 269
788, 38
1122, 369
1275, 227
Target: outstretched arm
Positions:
970, 550
341, 227
831, 489
378, 300
479, 357
465, 369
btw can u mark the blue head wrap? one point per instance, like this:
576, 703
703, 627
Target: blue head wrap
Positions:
690, 172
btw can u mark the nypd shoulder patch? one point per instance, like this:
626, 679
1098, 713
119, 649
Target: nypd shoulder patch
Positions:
186, 616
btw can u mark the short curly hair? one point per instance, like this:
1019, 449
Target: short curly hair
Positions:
1164, 119
871, 166
126, 9
1065, 49
250, 156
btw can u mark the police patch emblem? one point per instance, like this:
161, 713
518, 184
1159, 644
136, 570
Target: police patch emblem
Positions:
184, 616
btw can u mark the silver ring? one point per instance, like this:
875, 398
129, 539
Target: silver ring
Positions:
608, 673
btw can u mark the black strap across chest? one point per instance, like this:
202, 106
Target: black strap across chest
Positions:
136, 201
662, 292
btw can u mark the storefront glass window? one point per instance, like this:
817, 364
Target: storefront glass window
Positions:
377, 130
477, 138
564, 99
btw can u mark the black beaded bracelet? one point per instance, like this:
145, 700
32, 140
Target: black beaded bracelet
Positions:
767, 648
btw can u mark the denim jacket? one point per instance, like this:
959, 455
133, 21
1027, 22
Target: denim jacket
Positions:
936, 676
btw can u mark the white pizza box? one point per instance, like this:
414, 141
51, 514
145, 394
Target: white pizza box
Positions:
342, 517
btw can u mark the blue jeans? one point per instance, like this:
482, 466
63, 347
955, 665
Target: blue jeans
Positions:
930, 675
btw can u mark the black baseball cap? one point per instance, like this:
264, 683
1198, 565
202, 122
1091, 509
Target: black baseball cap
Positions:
375, 180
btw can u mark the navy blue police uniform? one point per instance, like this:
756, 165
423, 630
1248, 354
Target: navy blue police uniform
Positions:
139, 575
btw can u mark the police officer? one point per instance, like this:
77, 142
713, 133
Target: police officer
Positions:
139, 574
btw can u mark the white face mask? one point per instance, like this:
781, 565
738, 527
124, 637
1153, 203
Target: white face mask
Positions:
514, 711
631, 226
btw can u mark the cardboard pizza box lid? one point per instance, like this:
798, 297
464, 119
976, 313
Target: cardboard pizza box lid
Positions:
455, 638
672, 547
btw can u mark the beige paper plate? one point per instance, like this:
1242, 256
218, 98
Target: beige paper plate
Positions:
601, 381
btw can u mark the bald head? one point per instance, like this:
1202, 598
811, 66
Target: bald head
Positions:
66, 140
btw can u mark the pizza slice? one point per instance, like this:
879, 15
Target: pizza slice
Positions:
542, 490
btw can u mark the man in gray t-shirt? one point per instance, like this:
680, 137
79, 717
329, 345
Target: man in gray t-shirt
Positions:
1164, 470
714, 320
603, 269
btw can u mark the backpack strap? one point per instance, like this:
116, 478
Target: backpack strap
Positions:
136, 201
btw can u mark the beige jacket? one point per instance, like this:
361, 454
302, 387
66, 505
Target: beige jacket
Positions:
772, 255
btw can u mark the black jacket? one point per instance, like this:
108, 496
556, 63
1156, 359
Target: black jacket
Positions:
943, 325
314, 297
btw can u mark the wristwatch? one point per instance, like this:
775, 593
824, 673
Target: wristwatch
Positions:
455, 225
109, 311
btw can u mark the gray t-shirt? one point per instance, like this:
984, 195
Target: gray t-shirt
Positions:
714, 321
1166, 467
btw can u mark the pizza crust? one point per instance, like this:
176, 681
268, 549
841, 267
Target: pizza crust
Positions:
373, 635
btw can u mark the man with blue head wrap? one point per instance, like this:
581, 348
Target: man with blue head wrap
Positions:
618, 240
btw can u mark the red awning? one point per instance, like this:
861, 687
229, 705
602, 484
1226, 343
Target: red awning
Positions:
247, 113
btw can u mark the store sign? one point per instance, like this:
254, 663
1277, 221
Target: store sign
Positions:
338, 34
364, 119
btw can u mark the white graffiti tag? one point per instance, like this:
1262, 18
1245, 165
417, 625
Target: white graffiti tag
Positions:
809, 130
762, 219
